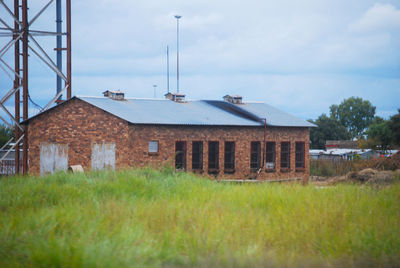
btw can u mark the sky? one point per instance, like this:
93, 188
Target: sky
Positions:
300, 56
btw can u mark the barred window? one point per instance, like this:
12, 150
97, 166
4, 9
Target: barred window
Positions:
300, 148
213, 154
180, 155
285, 154
197, 155
255, 155
270, 155
229, 159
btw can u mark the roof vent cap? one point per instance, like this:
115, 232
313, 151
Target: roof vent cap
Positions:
114, 94
235, 99
177, 97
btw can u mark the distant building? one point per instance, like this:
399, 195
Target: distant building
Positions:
347, 150
343, 154
228, 139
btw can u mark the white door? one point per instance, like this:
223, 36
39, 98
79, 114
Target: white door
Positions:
103, 156
53, 157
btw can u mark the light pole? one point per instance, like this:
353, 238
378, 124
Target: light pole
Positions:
177, 17
154, 86
167, 69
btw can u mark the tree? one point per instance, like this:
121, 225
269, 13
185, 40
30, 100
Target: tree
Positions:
328, 129
355, 114
379, 134
394, 125
6, 134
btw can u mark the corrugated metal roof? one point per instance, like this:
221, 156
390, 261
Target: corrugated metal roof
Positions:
274, 116
167, 112
201, 112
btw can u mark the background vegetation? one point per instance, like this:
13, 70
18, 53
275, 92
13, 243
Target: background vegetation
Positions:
6, 134
354, 118
148, 218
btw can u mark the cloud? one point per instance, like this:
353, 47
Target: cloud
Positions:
378, 18
301, 56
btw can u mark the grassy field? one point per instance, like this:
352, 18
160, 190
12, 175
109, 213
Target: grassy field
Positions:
149, 218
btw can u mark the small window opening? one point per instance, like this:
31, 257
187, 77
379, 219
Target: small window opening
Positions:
270, 155
197, 155
213, 155
255, 156
300, 146
229, 159
153, 147
285, 155
180, 155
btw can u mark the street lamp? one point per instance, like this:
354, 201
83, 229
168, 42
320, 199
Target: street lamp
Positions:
154, 86
177, 17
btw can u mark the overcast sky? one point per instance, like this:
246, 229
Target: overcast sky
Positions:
298, 55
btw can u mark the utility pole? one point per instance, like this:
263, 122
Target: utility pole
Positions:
177, 51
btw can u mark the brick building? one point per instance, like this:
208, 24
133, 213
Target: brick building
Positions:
227, 139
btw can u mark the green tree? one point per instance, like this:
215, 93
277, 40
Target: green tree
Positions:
6, 134
355, 114
328, 129
380, 136
394, 125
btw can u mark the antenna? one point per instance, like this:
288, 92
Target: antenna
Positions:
167, 69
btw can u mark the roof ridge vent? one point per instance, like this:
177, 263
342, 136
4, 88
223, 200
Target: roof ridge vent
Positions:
234, 99
114, 94
177, 97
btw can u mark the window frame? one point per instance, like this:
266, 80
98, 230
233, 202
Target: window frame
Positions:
184, 152
231, 168
302, 155
215, 167
288, 152
148, 147
200, 153
257, 156
273, 152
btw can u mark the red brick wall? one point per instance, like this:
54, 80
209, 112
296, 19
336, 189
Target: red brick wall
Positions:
79, 124
242, 136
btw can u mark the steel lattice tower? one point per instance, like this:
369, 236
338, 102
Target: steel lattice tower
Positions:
22, 38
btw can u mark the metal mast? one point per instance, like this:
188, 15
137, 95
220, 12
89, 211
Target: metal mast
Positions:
177, 51
22, 35
167, 69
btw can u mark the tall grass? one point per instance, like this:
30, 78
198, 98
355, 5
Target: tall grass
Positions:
150, 218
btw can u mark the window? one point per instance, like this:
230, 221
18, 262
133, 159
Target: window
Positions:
229, 159
270, 155
180, 155
153, 146
285, 155
197, 155
255, 155
213, 154
300, 154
